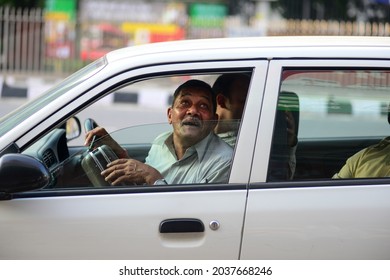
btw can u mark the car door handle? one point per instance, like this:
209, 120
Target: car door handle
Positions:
181, 225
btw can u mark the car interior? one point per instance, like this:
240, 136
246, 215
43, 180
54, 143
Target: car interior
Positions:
331, 127
323, 117
67, 158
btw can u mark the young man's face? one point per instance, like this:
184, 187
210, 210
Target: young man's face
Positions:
192, 115
237, 97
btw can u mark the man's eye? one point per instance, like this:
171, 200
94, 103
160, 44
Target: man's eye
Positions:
204, 106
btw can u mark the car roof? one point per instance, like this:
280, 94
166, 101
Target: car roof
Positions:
266, 47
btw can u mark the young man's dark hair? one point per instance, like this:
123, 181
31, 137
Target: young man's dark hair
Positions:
223, 83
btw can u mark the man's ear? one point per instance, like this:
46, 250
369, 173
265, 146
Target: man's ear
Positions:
221, 101
169, 114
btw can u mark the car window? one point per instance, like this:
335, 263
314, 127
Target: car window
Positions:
19, 115
136, 116
333, 113
81, 166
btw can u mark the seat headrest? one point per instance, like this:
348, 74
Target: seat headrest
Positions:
289, 101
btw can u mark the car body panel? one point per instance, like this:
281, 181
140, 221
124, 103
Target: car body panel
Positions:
338, 222
121, 226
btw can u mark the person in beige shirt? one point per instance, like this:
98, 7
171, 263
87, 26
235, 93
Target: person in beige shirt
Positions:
373, 161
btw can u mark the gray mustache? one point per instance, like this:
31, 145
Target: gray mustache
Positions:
191, 121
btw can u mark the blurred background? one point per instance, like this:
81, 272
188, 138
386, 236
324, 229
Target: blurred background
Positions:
43, 41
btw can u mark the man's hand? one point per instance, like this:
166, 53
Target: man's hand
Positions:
130, 172
103, 138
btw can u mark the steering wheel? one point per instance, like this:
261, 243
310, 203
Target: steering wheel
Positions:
94, 161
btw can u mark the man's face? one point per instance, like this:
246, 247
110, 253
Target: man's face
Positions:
192, 115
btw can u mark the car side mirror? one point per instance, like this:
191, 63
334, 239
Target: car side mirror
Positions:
20, 173
72, 128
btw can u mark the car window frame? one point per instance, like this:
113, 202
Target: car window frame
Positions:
259, 172
240, 172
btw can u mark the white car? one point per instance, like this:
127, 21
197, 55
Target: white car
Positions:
338, 90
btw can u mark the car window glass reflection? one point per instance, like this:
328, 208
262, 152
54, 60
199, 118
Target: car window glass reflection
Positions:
343, 124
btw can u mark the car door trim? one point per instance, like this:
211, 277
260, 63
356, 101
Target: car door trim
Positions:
129, 190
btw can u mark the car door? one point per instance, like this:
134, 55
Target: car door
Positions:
193, 221
342, 107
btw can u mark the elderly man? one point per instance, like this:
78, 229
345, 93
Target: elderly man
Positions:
192, 153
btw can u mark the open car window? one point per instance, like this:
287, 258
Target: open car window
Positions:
135, 115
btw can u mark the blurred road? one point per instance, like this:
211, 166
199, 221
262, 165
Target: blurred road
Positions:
113, 116
9, 104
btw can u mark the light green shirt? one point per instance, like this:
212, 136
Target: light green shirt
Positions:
208, 161
373, 161
230, 137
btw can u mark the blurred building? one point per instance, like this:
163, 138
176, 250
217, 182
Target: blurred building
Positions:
68, 34
103, 25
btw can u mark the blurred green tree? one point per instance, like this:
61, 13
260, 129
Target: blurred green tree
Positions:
364, 10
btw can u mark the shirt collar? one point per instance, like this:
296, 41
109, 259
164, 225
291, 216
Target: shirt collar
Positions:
383, 143
200, 148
